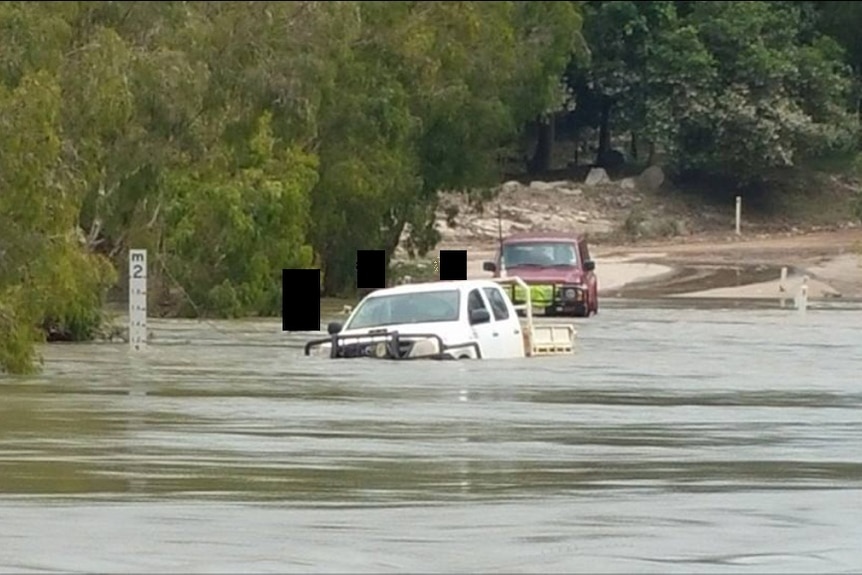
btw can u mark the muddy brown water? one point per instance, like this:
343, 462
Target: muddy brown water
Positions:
676, 439
692, 278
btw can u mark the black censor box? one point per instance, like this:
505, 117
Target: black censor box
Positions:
300, 300
370, 269
453, 265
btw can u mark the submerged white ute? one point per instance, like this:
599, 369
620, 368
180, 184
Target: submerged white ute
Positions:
467, 319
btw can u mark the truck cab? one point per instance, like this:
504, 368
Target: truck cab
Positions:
466, 319
556, 266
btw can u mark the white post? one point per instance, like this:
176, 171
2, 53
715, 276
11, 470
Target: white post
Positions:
782, 285
137, 299
738, 213
802, 297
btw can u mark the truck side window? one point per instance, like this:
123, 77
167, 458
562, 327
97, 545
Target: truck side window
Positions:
498, 304
475, 302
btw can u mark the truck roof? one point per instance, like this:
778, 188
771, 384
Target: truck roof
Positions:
542, 237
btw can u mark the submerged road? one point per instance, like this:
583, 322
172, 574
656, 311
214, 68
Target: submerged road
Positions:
675, 439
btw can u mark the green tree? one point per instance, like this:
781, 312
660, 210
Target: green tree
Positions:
234, 139
778, 101
644, 70
426, 99
45, 277
840, 20
734, 88
254, 216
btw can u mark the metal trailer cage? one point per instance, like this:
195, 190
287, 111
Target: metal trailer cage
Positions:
551, 339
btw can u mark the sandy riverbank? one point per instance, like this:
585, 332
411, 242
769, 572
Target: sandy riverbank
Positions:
750, 268
710, 267
616, 271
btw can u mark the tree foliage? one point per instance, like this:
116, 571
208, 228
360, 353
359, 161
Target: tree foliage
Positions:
723, 87
234, 139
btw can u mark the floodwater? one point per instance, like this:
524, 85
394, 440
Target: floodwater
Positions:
676, 439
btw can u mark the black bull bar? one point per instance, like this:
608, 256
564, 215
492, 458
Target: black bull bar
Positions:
397, 346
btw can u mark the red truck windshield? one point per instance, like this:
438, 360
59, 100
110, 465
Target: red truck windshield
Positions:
540, 254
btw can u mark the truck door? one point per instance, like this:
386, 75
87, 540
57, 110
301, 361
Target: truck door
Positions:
508, 324
487, 333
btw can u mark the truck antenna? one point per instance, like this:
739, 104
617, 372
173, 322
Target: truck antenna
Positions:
500, 226
502, 270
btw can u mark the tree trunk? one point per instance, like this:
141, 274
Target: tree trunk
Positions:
392, 240
634, 147
577, 142
541, 161
332, 282
604, 130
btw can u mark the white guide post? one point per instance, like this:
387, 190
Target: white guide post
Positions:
782, 285
738, 212
802, 296
137, 299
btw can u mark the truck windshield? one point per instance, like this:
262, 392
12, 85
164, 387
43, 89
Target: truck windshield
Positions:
540, 254
420, 307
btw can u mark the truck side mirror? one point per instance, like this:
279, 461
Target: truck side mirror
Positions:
589, 265
479, 316
489, 267
333, 328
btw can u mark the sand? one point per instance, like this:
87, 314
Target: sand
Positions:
768, 290
613, 271
829, 259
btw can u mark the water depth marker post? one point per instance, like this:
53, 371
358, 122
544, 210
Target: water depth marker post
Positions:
137, 299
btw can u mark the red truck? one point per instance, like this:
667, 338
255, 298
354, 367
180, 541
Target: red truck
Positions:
556, 266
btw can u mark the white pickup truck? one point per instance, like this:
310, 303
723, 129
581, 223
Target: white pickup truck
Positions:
468, 319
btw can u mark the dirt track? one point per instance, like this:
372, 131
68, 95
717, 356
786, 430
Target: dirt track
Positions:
750, 268
720, 266
703, 257
800, 247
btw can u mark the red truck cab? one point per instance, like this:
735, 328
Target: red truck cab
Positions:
556, 266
